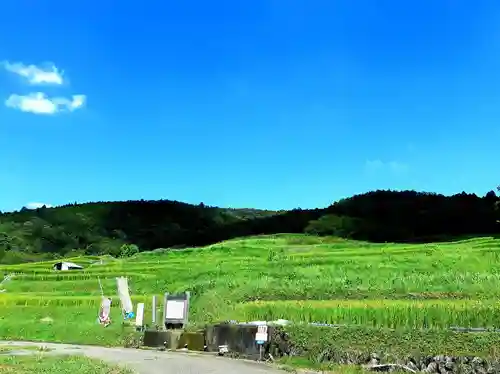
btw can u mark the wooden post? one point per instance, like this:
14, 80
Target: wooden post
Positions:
139, 317
165, 298
153, 311
186, 311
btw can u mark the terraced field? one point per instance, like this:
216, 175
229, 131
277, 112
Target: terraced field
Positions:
294, 277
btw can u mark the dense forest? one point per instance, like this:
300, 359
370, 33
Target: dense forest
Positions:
123, 228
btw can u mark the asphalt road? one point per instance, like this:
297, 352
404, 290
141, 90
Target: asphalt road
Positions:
153, 362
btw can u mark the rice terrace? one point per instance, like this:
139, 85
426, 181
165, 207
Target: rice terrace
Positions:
392, 298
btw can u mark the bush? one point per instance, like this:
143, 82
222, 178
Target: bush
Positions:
128, 250
333, 225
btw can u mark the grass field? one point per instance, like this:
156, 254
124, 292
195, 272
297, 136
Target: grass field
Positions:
295, 277
39, 364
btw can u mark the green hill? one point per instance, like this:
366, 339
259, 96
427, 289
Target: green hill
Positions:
105, 227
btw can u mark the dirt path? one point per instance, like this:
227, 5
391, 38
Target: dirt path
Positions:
150, 362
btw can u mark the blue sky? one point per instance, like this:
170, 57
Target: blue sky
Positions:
262, 103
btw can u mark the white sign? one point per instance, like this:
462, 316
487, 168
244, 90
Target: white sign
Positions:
140, 315
261, 335
175, 309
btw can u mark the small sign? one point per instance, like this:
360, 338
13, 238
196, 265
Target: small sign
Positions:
261, 335
223, 349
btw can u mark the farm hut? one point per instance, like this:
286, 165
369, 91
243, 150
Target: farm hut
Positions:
67, 266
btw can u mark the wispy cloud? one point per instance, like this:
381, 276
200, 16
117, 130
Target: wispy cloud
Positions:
392, 166
40, 103
35, 205
48, 74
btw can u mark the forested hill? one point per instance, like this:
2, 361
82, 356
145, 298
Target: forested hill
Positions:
111, 227
103, 227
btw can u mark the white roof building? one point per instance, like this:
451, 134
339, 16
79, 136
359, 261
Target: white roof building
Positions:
66, 266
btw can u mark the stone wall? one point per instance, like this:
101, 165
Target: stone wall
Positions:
428, 364
283, 345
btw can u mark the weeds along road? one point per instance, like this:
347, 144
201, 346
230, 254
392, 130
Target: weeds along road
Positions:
148, 362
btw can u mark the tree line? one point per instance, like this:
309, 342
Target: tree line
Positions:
120, 228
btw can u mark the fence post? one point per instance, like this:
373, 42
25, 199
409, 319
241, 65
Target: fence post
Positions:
153, 311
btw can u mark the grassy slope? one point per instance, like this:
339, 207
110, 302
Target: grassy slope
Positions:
413, 289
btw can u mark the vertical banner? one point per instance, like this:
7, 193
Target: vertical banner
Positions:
123, 294
139, 319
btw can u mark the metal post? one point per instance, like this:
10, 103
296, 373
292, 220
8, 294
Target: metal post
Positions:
186, 310
164, 311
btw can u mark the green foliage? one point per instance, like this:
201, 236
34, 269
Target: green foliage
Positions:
128, 250
105, 227
320, 344
333, 225
410, 216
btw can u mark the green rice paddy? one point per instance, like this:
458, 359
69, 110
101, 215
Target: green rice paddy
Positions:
294, 277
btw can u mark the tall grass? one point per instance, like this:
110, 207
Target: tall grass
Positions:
422, 314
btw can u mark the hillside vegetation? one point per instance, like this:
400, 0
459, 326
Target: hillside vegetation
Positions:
105, 227
383, 293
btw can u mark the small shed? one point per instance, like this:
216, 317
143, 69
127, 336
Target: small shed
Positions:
67, 266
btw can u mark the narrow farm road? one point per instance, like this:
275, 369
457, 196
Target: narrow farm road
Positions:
149, 362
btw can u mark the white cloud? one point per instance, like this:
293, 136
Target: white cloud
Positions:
36, 74
392, 166
40, 103
37, 205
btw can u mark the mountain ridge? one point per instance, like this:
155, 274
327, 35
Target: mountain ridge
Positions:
104, 227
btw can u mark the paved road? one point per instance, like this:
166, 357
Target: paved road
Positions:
151, 362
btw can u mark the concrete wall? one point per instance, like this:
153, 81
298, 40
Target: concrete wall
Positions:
240, 339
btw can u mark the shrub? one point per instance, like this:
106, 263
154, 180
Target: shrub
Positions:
128, 250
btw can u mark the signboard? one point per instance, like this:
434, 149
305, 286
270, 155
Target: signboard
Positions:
175, 309
261, 335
